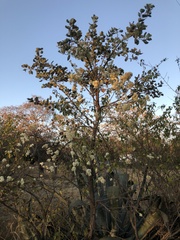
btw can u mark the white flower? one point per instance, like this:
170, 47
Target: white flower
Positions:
51, 168
92, 157
32, 145
72, 153
48, 160
27, 153
22, 182
106, 155
88, 172
140, 214
75, 163
73, 169
4, 160
18, 145
88, 163
56, 152
1, 178
9, 179
45, 146
22, 140
49, 151
18, 166
150, 156
148, 178
128, 161
7, 165
53, 157
101, 179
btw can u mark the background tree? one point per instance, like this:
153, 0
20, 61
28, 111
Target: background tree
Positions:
32, 120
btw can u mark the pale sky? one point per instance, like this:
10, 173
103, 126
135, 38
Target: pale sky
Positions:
25, 25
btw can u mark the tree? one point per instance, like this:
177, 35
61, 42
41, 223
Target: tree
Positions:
27, 202
86, 94
99, 80
28, 119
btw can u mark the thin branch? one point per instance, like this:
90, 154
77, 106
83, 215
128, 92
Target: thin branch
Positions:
163, 78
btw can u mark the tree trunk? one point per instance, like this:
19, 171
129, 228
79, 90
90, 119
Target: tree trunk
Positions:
92, 207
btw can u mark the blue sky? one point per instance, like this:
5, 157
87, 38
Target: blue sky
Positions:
25, 25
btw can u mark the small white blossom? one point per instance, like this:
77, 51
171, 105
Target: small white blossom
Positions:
32, 145
9, 152
101, 179
9, 179
75, 163
45, 146
92, 157
24, 138
150, 156
51, 168
72, 153
18, 145
4, 160
88, 172
19, 166
56, 152
73, 169
1, 178
148, 178
49, 151
7, 165
88, 163
22, 182
128, 161
48, 160
53, 157
140, 214
28, 153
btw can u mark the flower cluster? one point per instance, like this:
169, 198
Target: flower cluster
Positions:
8, 179
101, 180
24, 138
75, 164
